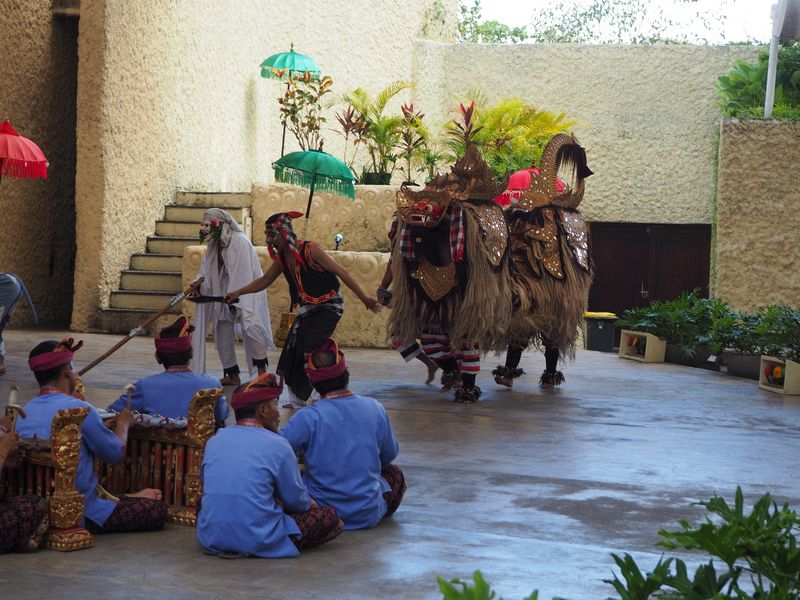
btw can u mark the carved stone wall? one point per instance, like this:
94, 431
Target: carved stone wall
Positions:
358, 327
364, 222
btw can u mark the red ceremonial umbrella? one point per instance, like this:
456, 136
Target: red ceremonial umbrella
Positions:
19, 156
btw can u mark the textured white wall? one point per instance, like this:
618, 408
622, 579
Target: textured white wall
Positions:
170, 96
758, 214
38, 63
649, 114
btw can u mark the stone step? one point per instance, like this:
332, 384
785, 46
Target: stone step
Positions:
177, 228
142, 300
152, 281
122, 321
168, 245
194, 214
225, 200
156, 262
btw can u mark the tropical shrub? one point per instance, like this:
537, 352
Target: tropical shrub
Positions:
742, 90
301, 109
510, 133
381, 132
685, 322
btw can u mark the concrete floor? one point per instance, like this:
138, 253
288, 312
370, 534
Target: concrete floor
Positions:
535, 489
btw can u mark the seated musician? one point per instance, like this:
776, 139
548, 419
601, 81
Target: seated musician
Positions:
348, 445
254, 501
23, 519
170, 393
51, 363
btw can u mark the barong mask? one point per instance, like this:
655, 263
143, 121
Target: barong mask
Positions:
545, 187
280, 224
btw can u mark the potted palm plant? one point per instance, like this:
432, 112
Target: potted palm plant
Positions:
741, 338
510, 133
684, 324
381, 132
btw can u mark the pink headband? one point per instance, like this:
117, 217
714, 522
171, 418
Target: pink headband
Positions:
59, 356
175, 345
262, 389
333, 371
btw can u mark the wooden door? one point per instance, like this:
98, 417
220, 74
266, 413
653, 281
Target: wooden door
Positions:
636, 263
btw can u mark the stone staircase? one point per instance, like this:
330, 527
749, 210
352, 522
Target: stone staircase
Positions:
154, 276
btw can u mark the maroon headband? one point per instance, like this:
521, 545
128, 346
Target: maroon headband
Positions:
57, 357
176, 345
263, 388
316, 374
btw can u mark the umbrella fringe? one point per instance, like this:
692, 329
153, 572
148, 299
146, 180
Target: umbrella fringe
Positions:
323, 184
22, 168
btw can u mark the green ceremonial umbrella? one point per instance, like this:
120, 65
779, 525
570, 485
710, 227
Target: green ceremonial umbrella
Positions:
316, 170
289, 65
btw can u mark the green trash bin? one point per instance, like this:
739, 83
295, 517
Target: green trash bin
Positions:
599, 331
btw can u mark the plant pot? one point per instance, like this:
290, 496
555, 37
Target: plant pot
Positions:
788, 383
743, 365
640, 346
376, 178
675, 356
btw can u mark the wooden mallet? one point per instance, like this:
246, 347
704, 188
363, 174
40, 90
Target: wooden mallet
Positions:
130, 388
15, 408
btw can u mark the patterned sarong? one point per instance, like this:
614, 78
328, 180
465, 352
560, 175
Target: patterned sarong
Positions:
317, 526
132, 514
20, 517
397, 481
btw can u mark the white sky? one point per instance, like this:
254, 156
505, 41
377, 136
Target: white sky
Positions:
746, 19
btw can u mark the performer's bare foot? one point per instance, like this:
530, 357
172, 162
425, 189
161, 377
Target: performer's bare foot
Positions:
432, 367
231, 380
549, 381
504, 375
149, 493
506, 381
450, 379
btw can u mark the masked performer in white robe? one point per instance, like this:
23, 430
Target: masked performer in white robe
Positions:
230, 263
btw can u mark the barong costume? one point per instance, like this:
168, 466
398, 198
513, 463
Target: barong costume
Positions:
348, 446
169, 393
550, 260
452, 287
247, 471
316, 291
97, 441
230, 263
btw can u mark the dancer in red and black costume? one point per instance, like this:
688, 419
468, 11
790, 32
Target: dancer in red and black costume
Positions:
313, 279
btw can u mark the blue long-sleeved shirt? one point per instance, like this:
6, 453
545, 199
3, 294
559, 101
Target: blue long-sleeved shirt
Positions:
245, 469
96, 440
345, 442
169, 394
